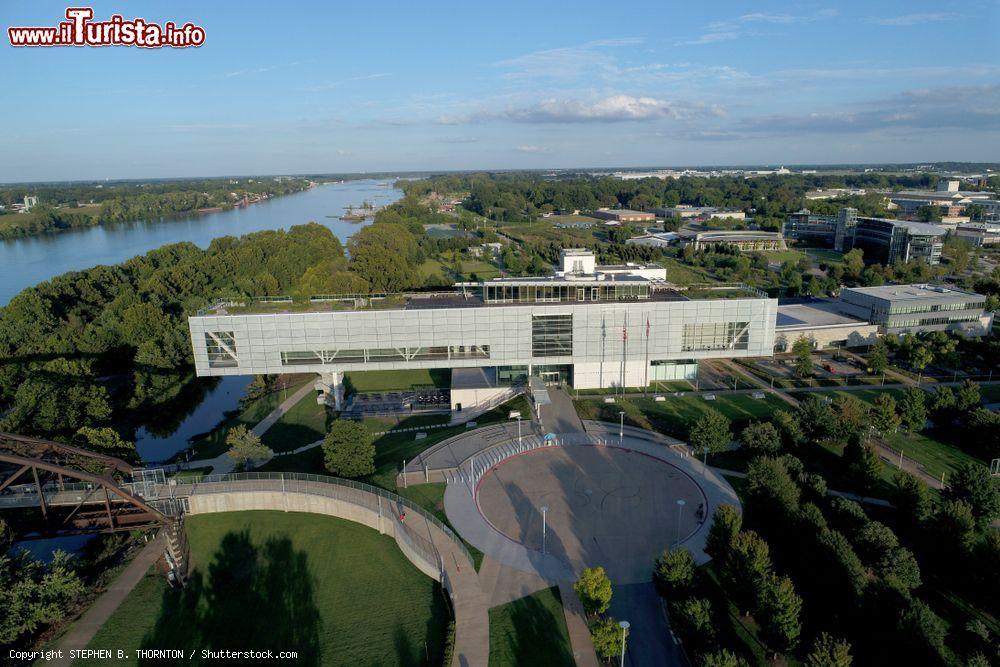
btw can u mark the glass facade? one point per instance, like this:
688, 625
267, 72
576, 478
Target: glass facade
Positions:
551, 335
716, 336
375, 355
562, 292
221, 348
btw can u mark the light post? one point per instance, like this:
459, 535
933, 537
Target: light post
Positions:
544, 509
704, 463
519, 430
621, 427
680, 506
624, 626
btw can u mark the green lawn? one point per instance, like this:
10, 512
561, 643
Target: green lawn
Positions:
674, 415
483, 270
275, 580
935, 456
365, 381
304, 423
432, 267
214, 444
530, 631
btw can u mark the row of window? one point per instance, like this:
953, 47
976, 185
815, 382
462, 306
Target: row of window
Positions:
928, 321
376, 355
903, 310
221, 349
716, 336
551, 335
558, 293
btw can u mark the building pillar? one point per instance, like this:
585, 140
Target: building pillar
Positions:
332, 384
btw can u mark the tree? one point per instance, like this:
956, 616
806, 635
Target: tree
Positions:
967, 397
348, 449
594, 590
712, 430
33, 594
852, 418
106, 440
788, 427
245, 448
899, 568
816, 418
878, 359
913, 409
693, 619
829, 652
722, 658
921, 357
884, 417
779, 608
854, 262
863, 465
923, 635
726, 523
956, 526
912, 498
802, 351
606, 635
772, 495
973, 484
674, 572
748, 562
761, 439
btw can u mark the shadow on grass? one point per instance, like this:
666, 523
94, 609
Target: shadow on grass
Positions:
253, 598
522, 634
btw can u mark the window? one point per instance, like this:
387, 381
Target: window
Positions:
551, 335
221, 348
716, 336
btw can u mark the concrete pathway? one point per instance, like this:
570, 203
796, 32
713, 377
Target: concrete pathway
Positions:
560, 416
576, 624
267, 422
84, 629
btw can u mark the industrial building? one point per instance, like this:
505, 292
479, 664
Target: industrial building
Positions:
883, 241
623, 215
589, 327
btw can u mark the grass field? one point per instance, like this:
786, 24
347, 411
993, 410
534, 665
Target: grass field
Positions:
277, 580
365, 381
674, 415
482, 270
530, 631
306, 422
214, 444
432, 267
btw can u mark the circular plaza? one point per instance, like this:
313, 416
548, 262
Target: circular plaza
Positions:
602, 505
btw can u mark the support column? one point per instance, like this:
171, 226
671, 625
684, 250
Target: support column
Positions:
332, 384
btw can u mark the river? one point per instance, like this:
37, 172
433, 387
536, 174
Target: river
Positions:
26, 262
29, 261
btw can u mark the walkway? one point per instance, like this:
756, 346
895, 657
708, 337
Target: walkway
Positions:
83, 630
560, 416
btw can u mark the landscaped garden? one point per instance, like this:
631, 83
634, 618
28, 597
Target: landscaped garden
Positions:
331, 590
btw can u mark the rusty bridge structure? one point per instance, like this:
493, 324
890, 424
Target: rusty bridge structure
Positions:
59, 489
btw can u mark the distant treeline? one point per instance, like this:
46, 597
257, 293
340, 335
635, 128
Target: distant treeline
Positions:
522, 197
62, 207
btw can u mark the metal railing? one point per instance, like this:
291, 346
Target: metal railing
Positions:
355, 493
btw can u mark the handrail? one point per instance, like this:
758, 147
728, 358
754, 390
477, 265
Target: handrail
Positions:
195, 487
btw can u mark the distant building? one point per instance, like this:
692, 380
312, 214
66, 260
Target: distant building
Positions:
833, 193
979, 233
900, 309
623, 215
582, 262
29, 202
744, 240
685, 211
951, 201
655, 239
882, 240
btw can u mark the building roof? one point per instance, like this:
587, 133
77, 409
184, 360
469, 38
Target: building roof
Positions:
921, 228
816, 313
917, 292
727, 235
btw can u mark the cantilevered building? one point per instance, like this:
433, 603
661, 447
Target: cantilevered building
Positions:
621, 327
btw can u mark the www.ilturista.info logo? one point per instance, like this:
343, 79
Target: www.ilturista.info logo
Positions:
80, 30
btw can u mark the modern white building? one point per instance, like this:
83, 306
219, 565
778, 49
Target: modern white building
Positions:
900, 309
597, 329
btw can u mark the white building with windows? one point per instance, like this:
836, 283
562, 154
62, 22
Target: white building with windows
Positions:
588, 329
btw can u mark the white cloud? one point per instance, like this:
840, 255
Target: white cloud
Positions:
605, 109
565, 62
530, 149
915, 19
336, 84
722, 31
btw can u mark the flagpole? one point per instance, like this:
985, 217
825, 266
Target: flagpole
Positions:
624, 343
646, 387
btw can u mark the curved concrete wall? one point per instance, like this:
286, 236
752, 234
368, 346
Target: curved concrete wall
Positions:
291, 501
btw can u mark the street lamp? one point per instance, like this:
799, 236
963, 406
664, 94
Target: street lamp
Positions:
544, 509
680, 506
704, 463
624, 626
621, 427
519, 430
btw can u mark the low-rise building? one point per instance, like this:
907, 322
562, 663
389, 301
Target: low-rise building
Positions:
655, 239
623, 215
746, 241
979, 233
823, 323
900, 309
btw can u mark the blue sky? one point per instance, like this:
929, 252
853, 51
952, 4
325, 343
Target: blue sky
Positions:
341, 86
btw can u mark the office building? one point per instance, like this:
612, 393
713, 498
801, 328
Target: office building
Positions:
899, 309
746, 241
883, 241
598, 329
979, 234
655, 239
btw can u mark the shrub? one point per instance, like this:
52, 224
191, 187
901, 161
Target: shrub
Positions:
829, 652
606, 636
348, 450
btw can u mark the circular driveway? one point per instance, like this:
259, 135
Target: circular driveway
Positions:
607, 506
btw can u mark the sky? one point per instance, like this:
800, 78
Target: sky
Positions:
326, 87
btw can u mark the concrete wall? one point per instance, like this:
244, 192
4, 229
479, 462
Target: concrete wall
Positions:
856, 335
243, 501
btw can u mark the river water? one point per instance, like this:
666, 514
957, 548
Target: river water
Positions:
25, 262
